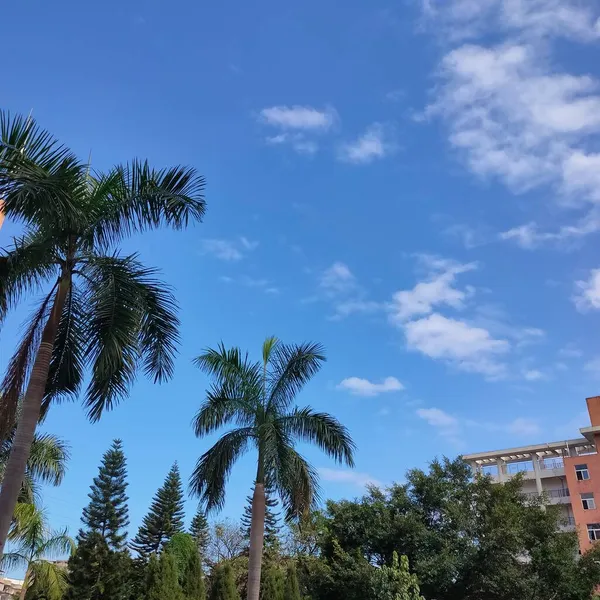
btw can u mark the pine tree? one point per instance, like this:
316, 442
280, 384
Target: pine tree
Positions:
107, 512
272, 527
163, 581
272, 585
223, 585
291, 590
193, 579
99, 569
164, 518
200, 532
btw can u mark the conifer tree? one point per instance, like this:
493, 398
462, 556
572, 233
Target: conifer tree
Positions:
272, 527
223, 585
200, 532
291, 590
272, 585
193, 579
99, 569
164, 519
163, 581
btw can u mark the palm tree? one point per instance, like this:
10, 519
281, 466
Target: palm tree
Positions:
36, 545
100, 311
258, 397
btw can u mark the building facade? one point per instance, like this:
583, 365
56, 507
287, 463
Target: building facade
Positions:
566, 473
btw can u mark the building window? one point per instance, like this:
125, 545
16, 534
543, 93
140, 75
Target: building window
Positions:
582, 472
593, 531
588, 501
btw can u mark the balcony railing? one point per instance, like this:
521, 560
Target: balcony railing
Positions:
561, 493
552, 463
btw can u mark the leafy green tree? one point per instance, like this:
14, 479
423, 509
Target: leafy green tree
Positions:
258, 398
100, 568
101, 312
291, 589
165, 517
181, 547
273, 583
223, 583
200, 531
192, 583
163, 583
465, 538
36, 546
395, 582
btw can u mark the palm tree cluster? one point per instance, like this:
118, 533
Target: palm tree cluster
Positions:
103, 317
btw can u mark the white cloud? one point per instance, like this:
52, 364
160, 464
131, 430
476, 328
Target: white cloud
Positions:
370, 146
297, 141
436, 290
468, 348
338, 278
453, 428
593, 366
587, 296
228, 250
364, 387
298, 117
513, 113
531, 18
350, 477
533, 375
346, 308
438, 418
529, 236
570, 351
523, 427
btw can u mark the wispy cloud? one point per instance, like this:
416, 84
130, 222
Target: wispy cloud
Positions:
228, 250
297, 126
338, 285
252, 282
437, 289
298, 117
349, 477
371, 145
587, 295
364, 387
513, 114
454, 428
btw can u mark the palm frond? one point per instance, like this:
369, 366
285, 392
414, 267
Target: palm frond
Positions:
48, 459
66, 364
132, 320
134, 197
228, 365
12, 560
48, 580
296, 481
321, 429
24, 268
268, 346
49, 198
291, 368
20, 365
213, 468
225, 403
57, 544
159, 334
21, 137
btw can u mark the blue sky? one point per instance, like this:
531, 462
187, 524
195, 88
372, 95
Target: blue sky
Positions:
413, 184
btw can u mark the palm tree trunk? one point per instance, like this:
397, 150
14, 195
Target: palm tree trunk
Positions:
23, 591
29, 417
257, 535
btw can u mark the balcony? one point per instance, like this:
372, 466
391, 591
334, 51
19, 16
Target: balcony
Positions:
561, 496
567, 524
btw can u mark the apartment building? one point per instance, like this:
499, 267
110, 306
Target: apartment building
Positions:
565, 472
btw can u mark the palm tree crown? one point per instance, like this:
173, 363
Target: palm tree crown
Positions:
257, 398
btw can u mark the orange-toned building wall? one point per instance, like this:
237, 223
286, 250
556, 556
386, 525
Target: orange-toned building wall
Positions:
576, 487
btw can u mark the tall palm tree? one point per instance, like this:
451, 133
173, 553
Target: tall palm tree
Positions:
257, 398
36, 545
100, 310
